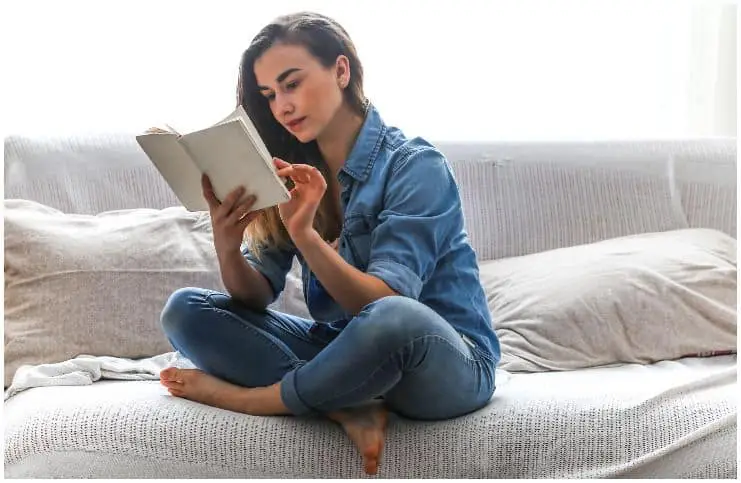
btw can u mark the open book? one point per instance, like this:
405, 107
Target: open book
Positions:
230, 152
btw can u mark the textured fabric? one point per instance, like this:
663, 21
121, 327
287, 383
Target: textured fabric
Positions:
641, 299
85, 174
82, 284
523, 198
670, 419
83, 370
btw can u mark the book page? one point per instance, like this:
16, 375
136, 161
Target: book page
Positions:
228, 155
241, 114
178, 169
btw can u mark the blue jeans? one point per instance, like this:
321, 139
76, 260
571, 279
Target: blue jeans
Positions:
396, 348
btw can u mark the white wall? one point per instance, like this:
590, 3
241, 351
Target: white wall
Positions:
462, 70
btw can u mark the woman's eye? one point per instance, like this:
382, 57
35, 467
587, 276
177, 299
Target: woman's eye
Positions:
292, 85
270, 97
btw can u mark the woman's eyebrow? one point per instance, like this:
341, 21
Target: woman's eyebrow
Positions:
281, 77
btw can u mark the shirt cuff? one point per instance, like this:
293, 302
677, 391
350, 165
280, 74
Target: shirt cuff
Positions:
269, 270
273, 280
398, 277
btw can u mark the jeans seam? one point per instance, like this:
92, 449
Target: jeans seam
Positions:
392, 353
249, 327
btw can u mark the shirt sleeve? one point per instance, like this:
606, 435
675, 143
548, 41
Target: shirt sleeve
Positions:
421, 211
274, 263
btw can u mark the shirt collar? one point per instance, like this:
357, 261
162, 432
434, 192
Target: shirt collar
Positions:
367, 145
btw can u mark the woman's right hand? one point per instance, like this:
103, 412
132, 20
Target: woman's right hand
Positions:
229, 218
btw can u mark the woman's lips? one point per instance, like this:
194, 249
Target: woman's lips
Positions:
293, 125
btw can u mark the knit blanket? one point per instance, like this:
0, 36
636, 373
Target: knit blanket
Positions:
670, 419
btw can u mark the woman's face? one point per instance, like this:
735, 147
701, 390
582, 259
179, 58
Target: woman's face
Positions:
303, 95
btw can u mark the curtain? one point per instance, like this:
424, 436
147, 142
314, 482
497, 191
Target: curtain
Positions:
712, 92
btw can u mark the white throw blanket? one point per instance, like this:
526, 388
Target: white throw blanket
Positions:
84, 370
673, 418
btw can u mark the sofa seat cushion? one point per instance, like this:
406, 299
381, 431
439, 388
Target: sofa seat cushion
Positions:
680, 418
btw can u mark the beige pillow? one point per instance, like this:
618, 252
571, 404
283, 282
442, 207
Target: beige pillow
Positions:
83, 284
636, 299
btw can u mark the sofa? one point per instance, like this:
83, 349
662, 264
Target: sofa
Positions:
609, 267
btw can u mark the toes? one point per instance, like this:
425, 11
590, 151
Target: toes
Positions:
171, 384
176, 392
372, 457
371, 467
171, 374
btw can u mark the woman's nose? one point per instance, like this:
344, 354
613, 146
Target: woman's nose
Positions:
283, 106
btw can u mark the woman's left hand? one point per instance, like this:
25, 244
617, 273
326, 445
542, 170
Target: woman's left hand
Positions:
309, 188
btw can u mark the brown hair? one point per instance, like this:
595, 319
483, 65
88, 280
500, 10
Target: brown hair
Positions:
326, 40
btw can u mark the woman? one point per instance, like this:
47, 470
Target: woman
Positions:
390, 278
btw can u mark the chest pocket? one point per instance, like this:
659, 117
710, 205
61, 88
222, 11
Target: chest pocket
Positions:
357, 237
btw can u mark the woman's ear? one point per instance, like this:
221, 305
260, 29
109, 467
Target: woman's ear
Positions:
342, 68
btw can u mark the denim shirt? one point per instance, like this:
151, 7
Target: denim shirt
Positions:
403, 223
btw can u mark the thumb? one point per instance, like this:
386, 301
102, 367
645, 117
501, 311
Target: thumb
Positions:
208, 193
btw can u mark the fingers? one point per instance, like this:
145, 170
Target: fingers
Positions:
230, 202
301, 173
248, 218
156, 130
220, 209
296, 175
208, 193
307, 171
230, 210
243, 211
213, 202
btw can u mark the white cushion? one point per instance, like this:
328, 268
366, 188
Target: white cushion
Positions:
82, 284
635, 299
96, 284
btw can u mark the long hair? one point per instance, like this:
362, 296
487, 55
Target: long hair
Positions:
326, 40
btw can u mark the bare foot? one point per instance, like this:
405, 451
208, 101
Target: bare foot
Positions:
366, 427
198, 386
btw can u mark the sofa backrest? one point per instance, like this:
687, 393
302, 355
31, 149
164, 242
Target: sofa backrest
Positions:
85, 174
518, 198
522, 198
